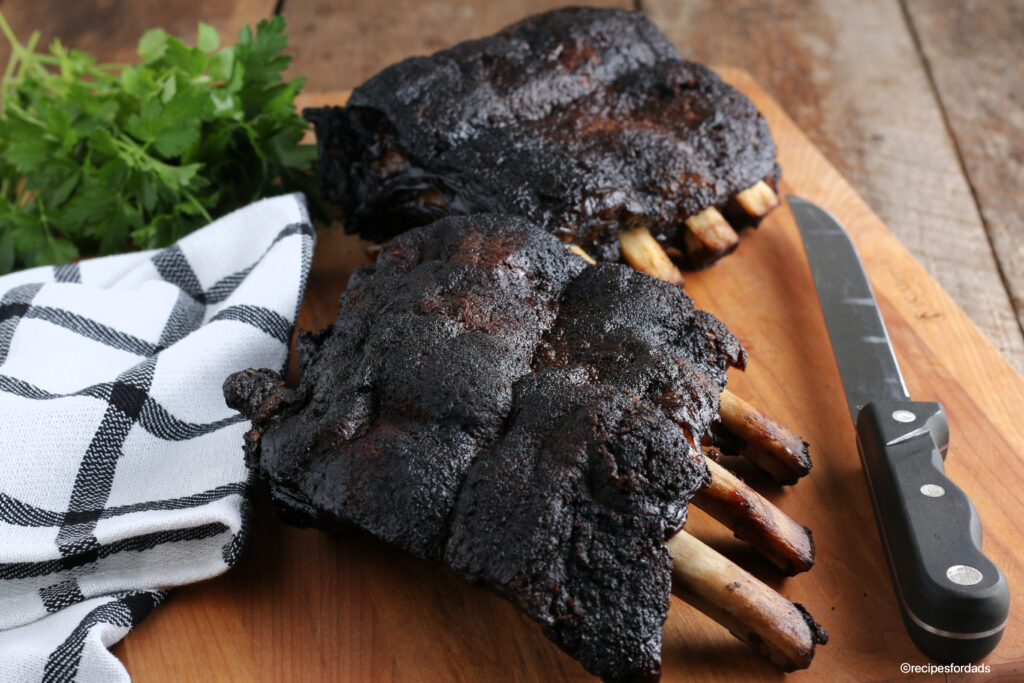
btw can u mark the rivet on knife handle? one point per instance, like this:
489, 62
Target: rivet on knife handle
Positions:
954, 600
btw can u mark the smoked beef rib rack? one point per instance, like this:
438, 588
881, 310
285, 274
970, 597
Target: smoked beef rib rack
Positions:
584, 120
489, 401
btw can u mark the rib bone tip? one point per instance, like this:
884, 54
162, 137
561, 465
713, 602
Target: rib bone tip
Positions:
709, 236
758, 199
756, 520
768, 444
644, 253
576, 249
781, 630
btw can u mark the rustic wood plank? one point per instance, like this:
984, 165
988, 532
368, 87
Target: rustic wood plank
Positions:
110, 29
311, 606
975, 54
850, 76
338, 45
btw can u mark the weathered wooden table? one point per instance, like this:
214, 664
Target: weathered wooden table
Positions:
917, 103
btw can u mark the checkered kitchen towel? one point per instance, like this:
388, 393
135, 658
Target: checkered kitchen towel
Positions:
121, 468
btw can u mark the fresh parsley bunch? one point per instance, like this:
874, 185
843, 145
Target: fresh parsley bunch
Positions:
99, 158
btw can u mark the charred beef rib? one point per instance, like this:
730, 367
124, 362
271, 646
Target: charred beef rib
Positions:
488, 401
584, 120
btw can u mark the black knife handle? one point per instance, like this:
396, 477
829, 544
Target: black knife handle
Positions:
954, 600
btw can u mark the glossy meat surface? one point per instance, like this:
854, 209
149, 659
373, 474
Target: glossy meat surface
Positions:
487, 400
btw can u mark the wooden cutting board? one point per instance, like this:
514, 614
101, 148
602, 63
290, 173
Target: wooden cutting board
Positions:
304, 605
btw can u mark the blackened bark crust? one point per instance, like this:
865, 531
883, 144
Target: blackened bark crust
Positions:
584, 120
489, 401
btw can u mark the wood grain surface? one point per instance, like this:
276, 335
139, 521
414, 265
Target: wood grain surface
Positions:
974, 51
308, 606
367, 36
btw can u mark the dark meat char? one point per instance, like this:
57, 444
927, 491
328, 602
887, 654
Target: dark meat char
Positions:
584, 120
489, 401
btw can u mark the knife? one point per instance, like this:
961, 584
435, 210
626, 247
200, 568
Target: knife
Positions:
954, 601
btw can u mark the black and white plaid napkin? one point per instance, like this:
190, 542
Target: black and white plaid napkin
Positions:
121, 468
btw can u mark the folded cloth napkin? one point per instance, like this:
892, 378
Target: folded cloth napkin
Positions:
121, 468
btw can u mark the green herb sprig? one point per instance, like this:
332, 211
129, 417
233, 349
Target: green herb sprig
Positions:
100, 158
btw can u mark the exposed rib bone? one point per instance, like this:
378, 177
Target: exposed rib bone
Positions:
758, 199
777, 628
709, 237
768, 444
754, 518
643, 252
576, 249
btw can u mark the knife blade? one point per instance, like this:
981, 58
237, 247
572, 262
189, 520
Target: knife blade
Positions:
953, 599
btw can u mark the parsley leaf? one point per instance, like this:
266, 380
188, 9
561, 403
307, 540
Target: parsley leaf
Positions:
100, 158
